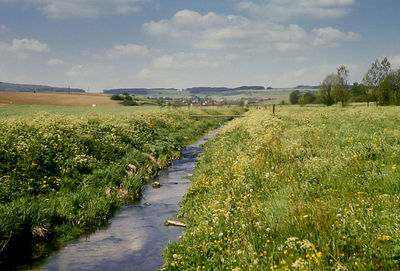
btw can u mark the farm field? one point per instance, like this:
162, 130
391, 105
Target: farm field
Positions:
56, 98
310, 189
64, 174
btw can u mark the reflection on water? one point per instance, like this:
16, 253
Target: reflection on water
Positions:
136, 236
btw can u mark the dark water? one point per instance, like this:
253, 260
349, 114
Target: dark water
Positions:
136, 236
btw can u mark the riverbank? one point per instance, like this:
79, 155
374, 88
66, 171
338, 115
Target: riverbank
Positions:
306, 189
136, 235
62, 175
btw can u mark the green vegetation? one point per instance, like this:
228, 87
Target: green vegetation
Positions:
63, 174
309, 189
380, 85
125, 99
130, 100
24, 110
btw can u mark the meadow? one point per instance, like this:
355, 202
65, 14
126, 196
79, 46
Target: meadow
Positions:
62, 174
312, 188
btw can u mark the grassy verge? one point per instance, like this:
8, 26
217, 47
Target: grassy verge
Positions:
309, 189
61, 175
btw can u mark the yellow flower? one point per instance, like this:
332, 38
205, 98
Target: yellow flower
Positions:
394, 166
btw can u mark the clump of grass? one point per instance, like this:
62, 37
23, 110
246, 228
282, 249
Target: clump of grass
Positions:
61, 175
308, 189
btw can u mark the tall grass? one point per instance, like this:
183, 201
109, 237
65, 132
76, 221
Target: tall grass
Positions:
308, 189
63, 174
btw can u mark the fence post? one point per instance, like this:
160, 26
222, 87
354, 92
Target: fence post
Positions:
273, 109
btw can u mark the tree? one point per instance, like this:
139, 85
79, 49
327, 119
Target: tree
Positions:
397, 90
341, 90
388, 90
356, 92
326, 89
294, 97
365, 93
374, 76
160, 103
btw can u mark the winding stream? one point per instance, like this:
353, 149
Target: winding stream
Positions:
136, 236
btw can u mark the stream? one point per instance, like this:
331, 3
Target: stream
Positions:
136, 235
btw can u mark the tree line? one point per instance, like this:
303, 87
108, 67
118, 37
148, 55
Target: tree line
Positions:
380, 85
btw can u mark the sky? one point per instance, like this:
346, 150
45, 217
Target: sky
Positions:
104, 44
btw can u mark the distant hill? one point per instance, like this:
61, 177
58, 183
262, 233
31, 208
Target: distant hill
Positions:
35, 88
306, 87
220, 90
190, 91
137, 91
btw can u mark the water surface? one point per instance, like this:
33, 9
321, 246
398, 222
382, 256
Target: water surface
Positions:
136, 236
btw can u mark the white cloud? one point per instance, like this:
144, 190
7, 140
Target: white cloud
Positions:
301, 59
185, 61
144, 73
3, 46
26, 45
63, 9
128, 50
55, 62
89, 71
283, 10
332, 37
218, 31
231, 57
306, 76
3, 28
287, 46
315, 74
395, 60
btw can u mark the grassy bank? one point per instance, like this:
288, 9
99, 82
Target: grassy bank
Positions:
309, 189
61, 175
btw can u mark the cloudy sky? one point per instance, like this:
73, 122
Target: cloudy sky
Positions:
101, 44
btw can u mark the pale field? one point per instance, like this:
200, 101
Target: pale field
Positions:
56, 98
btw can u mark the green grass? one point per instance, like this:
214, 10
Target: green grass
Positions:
24, 110
308, 189
62, 174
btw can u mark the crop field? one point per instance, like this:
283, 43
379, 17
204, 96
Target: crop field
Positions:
56, 98
62, 174
309, 189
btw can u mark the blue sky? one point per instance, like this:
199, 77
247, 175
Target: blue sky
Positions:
101, 44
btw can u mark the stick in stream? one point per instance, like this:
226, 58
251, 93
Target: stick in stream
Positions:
174, 223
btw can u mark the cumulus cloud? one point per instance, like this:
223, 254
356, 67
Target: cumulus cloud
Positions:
64, 9
28, 45
127, 50
219, 31
3, 28
305, 75
184, 61
332, 37
395, 60
3, 46
283, 10
55, 62
89, 70
144, 73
